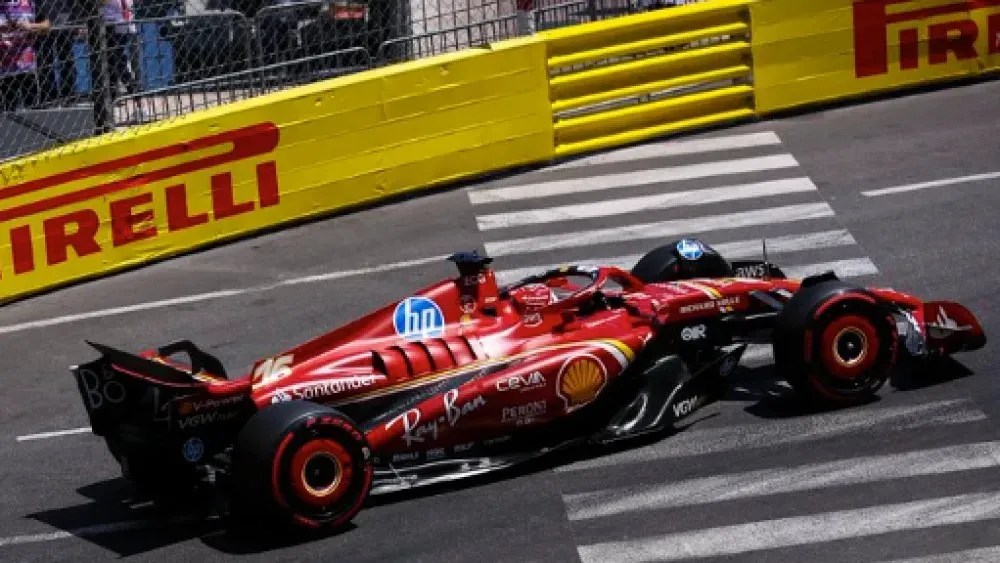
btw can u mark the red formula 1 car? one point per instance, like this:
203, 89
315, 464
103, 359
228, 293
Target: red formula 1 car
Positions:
464, 377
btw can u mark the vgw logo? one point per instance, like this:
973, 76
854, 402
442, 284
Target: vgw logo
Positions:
418, 317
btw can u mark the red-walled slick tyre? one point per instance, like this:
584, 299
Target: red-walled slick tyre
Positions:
300, 463
835, 343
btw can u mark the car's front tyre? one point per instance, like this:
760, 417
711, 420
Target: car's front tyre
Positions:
835, 343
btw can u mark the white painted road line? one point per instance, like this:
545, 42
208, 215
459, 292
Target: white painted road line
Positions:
54, 434
199, 297
932, 184
645, 203
633, 179
698, 441
675, 148
800, 530
989, 554
91, 531
662, 229
750, 248
763, 482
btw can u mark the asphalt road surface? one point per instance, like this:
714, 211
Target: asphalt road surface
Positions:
914, 475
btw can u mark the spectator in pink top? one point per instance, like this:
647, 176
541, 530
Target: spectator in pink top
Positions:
18, 27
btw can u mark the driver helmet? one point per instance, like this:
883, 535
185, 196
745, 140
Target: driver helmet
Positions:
532, 297
696, 259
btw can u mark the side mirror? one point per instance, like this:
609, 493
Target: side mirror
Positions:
568, 320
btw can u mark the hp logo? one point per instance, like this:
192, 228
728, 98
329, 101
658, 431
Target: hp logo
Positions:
418, 317
690, 249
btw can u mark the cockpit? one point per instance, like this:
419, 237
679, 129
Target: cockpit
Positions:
561, 289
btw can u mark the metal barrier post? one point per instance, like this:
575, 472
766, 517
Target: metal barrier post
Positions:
101, 93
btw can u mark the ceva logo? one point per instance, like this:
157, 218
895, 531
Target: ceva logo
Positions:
416, 318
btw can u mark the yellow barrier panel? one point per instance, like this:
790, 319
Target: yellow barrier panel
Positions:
822, 50
649, 74
128, 198
645, 45
643, 76
630, 29
666, 128
646, 120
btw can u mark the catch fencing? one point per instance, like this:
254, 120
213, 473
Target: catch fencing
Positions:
95, 70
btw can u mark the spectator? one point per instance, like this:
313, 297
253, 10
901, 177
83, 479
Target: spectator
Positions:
18, 28
118, 13
57, 64
277, 24
338, 27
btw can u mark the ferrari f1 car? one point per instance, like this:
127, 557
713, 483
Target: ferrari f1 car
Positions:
464, 377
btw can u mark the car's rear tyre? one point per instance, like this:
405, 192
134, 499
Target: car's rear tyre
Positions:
665, 263
302, 464
834, 343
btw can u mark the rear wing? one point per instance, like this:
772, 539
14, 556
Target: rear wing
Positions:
124, 388
158, 370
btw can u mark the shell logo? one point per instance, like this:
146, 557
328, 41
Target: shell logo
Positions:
580, 381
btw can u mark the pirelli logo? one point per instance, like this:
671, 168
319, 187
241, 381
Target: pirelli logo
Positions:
948, 28
51, 220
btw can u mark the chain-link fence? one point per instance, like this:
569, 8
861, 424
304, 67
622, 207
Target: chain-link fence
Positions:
74, 68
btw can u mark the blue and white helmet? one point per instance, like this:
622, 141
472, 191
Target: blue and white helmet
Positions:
690, 249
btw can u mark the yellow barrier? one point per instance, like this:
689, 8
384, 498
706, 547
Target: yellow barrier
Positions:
649, 74
823, 50
127, 198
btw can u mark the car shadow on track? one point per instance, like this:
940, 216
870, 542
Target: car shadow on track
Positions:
772, 398
120, 524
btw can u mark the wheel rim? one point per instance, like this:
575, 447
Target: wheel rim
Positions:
321, 472
849, 347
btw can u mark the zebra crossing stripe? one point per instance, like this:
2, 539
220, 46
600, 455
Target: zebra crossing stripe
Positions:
843, 472
852, 268
632, 179
757, 355
623, 206
662, 229
989, 554
800, 530
750, 248
700, 441
849, 268
675, 148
